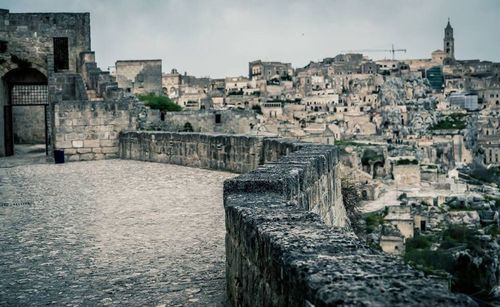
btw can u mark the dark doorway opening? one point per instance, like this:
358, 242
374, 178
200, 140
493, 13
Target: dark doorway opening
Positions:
423, 226
25, 115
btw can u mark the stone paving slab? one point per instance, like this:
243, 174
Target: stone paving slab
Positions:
111, 232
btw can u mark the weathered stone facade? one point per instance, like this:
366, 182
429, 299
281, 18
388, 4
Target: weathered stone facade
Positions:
90, 130
35, 47
140, 76
223, 121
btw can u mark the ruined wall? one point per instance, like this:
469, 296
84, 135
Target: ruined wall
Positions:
90, 130
406, 175
139, 76
279, 250
226, 121
29, 124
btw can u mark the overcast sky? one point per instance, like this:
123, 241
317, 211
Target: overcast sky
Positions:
218, 38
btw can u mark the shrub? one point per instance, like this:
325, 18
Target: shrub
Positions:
452, 121
418, 242
406, 162
456, 235
162, 103
430, 260
373, 220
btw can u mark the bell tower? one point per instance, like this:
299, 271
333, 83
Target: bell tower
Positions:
449, 41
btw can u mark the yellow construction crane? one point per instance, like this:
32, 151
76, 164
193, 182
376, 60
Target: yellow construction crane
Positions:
392, 51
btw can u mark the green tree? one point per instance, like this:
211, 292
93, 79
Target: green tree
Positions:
157, 102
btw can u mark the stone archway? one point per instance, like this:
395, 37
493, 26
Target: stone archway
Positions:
24, 109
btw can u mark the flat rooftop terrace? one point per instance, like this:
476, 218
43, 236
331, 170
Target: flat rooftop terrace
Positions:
114, 232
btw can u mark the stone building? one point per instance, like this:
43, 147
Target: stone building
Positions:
171, 84
259, 70
35, 50
47, 66
489, 140
139, 76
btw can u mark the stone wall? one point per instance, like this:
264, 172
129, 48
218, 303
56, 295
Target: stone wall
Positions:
139, 76
317, 192
90, 130
29, 37
233, 153
279, 249
29, 124
406, 175
223, 121
279, 253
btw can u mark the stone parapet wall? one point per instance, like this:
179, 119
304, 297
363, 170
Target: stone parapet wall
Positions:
280, 253
233, 153
230, 121
283, 246
90, 131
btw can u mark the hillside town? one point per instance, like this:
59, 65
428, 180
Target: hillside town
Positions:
420, 138
417, 143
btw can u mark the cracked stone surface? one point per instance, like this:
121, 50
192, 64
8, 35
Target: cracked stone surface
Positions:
111, 232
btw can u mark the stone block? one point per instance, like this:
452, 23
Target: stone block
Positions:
87, 156
83, 150
63, 144
97, 149
91, 143
109, 150
70, 151
109, 143
99, 156
77, 144
71, 158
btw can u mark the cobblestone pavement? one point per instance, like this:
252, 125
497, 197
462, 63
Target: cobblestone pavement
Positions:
111, 232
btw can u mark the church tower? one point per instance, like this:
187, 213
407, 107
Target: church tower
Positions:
449, 41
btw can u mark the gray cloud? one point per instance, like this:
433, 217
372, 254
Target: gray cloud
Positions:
219, 37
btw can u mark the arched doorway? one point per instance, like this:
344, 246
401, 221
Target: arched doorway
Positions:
25, 108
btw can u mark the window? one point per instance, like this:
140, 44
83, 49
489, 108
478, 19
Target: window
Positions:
61, 56
217, 118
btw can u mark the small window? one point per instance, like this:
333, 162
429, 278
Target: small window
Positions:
3, 46
61, 53
217, 118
